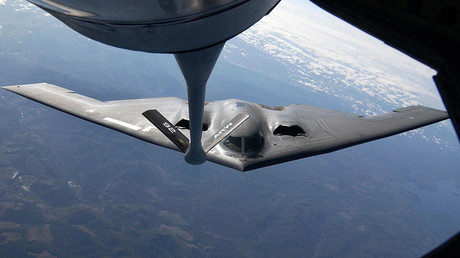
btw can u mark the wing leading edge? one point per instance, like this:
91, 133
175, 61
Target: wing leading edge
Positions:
121, 115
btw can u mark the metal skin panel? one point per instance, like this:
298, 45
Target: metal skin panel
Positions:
324, 130
137, 11
158, 26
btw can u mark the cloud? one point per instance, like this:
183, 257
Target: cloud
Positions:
2, 2
25, 7
329, 55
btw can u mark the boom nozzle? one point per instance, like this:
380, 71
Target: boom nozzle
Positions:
196, 67
195, 156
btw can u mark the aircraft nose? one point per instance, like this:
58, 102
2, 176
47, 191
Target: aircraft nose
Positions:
246, 139
249, 128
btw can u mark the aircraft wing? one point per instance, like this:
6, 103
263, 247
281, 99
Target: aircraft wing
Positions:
289, 133
121, 115
299, 131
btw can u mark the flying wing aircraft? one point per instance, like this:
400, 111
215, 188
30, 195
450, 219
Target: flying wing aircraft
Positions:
240, 134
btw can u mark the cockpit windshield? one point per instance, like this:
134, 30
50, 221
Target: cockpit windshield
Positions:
252, 144
233, 143
244, 145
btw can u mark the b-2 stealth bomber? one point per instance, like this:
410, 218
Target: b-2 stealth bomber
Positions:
239, 134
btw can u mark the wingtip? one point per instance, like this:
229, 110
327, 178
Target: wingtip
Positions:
10, 88
17, 87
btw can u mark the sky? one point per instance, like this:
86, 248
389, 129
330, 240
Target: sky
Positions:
341, 50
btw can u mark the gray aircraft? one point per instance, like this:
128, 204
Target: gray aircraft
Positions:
240, 134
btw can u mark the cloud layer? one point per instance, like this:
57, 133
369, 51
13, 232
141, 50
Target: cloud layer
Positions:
326, 54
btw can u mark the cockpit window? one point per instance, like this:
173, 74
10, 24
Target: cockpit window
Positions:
244, 145
233, 143
252, 144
